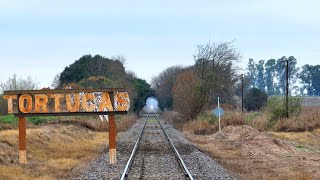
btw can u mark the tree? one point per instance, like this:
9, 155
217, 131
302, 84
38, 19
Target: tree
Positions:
56, 82
281, 73
100, 72
143, 91
216, 70
270, 75
255, 99
187, 94
97, 82
252, 72
310, 78
15, 83
163, 83
260, 75
88, 66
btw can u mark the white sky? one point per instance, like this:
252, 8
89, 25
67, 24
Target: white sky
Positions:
40, 38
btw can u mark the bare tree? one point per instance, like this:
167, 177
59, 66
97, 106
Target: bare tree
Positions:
215, 65
56, 82
16, 83
163, 84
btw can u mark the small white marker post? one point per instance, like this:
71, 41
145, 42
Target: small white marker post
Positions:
219, 114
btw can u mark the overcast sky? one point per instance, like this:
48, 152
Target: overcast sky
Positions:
40, 38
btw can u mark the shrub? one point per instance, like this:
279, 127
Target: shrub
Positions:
187, 95
276, 107
255, 99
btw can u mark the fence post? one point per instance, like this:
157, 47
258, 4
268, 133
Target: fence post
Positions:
112, 139
22, 141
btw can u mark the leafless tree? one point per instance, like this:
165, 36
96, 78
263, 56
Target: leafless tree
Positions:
215, 65
16, 83
56, 81
163, 84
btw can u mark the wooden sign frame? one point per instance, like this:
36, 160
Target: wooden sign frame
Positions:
110, 102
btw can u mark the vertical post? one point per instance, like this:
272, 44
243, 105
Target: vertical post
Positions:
242, 93
219, 114
287, 89
112, 139
22, 141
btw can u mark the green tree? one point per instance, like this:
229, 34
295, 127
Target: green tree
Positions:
143, 91
310, 78
260, 75
88, 66
97, 82
255, 99
252, 72
270, 75
281, 73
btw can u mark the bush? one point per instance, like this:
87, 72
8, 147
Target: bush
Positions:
255, 99
276, 107
308, 120
187, 95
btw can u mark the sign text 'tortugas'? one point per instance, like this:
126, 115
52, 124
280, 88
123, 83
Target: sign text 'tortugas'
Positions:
67, 102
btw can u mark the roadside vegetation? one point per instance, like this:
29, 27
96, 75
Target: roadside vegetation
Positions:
261, 143
58, 148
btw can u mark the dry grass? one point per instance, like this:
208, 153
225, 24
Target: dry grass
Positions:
307, 138
59, 149
125, 122
199, 127
53, 151
208, 124
308, 120
251, 154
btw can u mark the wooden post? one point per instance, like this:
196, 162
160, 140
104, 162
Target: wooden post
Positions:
112, 139
22, 141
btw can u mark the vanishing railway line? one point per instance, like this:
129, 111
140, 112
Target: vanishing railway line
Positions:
154, 156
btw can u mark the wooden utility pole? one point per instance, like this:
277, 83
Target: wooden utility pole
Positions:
242, 93
287, 88
22, 141
112, 139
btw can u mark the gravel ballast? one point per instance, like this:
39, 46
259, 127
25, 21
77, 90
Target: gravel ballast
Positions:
155, 159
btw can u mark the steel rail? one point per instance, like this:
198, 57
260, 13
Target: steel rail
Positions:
133, 153
188, 174
129, 163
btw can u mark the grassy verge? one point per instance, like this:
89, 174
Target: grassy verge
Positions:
92, 122
54, 152
245, 148
57, 148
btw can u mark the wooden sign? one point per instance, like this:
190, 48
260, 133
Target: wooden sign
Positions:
67, 102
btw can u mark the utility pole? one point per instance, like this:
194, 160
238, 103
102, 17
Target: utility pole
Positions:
287, 88
242, 93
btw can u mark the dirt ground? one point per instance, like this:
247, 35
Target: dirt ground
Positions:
251, 154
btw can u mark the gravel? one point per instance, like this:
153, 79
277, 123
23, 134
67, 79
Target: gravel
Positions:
154, 159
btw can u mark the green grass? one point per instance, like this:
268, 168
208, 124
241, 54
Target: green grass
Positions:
250, 116
306, 148
152, 119
11, 119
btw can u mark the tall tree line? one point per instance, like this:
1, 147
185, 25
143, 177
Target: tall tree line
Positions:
270, 76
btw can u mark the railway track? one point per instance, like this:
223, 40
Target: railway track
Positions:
154, 156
